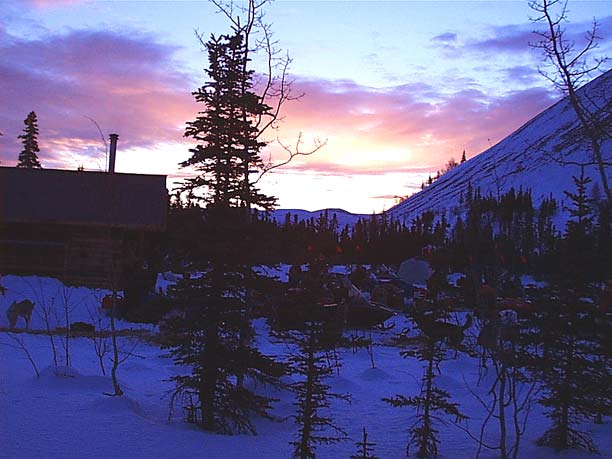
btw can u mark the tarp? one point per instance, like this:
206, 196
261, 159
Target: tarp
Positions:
414, 271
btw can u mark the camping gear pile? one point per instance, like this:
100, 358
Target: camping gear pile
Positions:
318, 295
362, 299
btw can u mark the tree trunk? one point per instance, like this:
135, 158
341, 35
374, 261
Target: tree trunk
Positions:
591, 132
559, 53
564, 395
116, 386
422, 452
308, 408
502, 413
211, 371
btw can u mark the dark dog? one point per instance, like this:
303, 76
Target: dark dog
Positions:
20, 309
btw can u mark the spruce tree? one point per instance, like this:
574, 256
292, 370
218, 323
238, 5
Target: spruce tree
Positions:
432, 403
364, 448
579, 244
28, 157
574, 369
214, 336
574, 365
228, 148
313, 395
581, 209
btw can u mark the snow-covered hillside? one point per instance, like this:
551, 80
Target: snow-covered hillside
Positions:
527, 158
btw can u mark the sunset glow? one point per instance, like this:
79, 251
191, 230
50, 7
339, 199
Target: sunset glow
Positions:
395, 88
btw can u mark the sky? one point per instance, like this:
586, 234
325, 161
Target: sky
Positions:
394, 88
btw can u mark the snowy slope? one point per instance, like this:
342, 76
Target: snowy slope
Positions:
523, 159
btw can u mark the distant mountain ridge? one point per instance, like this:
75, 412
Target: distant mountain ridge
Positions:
344, 217
525, 159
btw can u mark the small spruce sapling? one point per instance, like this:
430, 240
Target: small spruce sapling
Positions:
432, 403
312, 394
364, 448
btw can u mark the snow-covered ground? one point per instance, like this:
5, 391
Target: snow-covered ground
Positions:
55, 303
68, 415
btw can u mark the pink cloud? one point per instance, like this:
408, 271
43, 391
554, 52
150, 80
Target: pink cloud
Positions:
423, 127
130, 85
323, 167
46, 4
127, 84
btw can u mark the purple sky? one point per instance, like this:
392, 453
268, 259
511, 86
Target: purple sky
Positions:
396, 88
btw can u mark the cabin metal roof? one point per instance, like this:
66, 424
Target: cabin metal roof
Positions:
132, 201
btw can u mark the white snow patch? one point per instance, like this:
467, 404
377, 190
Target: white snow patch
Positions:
64, 413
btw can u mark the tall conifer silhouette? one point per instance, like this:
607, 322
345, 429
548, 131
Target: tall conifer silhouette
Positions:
28, 157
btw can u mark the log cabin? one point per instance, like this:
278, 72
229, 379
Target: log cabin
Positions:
80, 227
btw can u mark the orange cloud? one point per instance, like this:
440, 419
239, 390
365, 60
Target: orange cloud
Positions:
403, 127
130, 85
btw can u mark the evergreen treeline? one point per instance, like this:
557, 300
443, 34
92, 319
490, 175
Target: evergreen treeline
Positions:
491, 235
376, 240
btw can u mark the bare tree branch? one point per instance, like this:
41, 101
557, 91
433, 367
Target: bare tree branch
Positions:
570, 69
293, 153
103, 139
23, 347
276, 86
